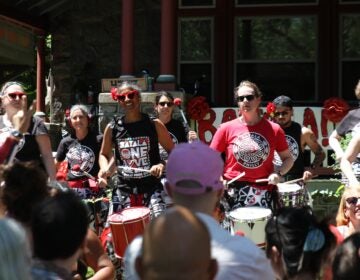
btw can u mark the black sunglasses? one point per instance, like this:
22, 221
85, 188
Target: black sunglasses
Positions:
284, 113
249, 97
129, 95
169, 104
13, 95
353, 200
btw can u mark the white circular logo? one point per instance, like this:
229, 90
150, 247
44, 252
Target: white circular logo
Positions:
293, 148
251, 149
82, 156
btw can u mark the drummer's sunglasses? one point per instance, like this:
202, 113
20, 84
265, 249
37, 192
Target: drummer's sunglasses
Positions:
13, 95
169, 104
129, 94
353, 200
249, 97
284, 113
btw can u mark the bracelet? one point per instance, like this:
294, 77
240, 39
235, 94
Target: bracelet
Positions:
16, 133
278, 173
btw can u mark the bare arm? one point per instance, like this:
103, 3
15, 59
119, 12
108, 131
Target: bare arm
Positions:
308, 139
97, 259
334, 142
349, 156
163, 136
46, 154
106, 155
287, 163
166, 142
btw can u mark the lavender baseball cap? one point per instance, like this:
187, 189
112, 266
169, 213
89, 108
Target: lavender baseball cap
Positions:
197, 162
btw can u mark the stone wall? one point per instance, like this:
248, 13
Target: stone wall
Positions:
86, 47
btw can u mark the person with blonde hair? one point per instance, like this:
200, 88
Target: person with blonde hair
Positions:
15, 253
348, 215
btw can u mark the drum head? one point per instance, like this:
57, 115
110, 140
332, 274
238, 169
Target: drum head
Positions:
288, 188
129, 214
245, 214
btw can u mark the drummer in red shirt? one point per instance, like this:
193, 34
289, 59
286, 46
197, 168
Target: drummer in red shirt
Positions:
249, 143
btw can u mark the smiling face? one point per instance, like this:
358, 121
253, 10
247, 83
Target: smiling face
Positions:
11, 99
130, 99
165, 108
79, 120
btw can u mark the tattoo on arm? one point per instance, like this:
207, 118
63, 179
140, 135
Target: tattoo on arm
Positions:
319, 157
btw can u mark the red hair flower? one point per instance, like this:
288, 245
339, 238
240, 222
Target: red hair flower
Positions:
197, 108
270, 110
335, 109
114, 93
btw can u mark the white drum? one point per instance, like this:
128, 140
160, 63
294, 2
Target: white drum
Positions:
250, 222
291, 195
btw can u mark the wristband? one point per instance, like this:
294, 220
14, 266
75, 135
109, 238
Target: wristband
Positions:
16, 133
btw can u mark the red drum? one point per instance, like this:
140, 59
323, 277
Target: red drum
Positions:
126, 225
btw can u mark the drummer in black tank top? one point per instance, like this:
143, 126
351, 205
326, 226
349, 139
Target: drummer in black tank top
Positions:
298, 137
135, 138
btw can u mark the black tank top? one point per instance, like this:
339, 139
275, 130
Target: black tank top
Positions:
136, 146
293, 138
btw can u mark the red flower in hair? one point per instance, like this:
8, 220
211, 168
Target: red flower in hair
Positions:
114, 93
335, 109
197, 108
270, 110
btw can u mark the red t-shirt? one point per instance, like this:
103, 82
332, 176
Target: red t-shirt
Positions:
249, 148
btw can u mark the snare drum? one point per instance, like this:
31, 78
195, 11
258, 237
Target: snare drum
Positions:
126, 225
251, 222
291, 195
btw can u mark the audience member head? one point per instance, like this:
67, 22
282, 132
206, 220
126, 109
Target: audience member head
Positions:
346, 264
348, 212
193, 172
24, 184
59, 226
14, 251
297, 245
176, 245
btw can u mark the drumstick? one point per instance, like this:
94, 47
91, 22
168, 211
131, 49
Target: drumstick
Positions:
133, 168
261, 180
297, 180
237, 177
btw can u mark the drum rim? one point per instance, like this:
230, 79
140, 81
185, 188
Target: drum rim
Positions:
146, 214
247, 220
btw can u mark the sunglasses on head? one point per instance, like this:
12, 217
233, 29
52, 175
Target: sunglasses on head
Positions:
13, 95
248, 97
129, 94
169, 104
284, 113
352, 200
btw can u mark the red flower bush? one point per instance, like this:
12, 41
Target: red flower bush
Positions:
197, 108
335, 109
